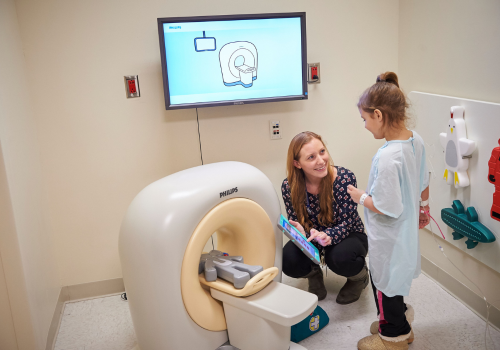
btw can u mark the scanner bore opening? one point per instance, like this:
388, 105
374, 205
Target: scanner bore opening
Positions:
243, 228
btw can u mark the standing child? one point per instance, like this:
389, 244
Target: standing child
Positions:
398, 180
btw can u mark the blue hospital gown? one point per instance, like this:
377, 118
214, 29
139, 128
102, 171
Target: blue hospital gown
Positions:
397, 178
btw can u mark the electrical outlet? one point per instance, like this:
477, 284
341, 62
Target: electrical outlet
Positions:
132, 86
313, 72
274, 129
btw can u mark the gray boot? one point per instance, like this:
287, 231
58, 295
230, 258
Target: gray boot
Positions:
351, 291
316, 283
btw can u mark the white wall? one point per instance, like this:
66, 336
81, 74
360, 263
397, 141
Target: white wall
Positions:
99, 149
452, 48
26, 250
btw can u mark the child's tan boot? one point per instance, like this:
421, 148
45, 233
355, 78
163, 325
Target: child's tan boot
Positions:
410, 316
374, 330
379, 342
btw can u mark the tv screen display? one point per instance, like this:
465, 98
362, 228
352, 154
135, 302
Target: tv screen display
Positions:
237, 59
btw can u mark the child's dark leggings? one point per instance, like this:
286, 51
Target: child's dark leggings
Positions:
391, 311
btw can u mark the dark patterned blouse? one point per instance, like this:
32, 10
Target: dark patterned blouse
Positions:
346, 217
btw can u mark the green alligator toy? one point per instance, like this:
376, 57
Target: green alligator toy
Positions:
465, 224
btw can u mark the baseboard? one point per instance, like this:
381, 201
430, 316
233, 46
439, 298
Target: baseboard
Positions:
79, 292
95, 289
461, 292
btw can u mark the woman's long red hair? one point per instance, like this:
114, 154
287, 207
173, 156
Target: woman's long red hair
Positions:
297, 183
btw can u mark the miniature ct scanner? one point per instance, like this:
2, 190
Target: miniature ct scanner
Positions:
238, 63
161, 241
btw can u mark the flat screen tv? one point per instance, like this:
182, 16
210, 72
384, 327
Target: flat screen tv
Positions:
233, 60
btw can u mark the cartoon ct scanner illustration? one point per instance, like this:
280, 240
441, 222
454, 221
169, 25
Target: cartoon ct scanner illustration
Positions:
174, 302
238, 63
458, 148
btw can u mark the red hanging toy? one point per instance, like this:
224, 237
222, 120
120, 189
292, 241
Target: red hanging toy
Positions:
494, 178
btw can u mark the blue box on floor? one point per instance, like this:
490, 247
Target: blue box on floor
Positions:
310, 325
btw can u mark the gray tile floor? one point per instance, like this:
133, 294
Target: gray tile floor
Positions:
441, 321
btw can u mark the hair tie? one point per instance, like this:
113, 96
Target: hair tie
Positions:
381, 80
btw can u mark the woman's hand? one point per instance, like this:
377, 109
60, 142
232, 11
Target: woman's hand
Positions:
423, 219
298, 227
355, 193
322, 238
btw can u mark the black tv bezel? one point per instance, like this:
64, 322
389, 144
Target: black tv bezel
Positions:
169, 106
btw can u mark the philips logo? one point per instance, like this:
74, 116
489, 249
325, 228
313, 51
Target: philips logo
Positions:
228, 192
174, 27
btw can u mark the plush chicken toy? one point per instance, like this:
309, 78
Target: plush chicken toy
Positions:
457, 148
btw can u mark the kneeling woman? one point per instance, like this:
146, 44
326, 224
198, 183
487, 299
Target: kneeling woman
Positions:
317, 204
